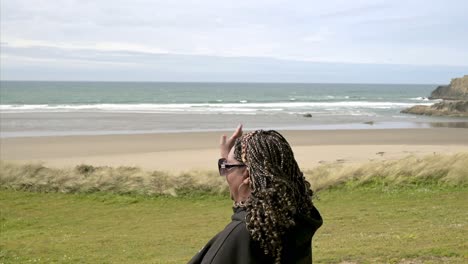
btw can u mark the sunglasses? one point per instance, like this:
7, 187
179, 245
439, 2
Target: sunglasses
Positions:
223, 167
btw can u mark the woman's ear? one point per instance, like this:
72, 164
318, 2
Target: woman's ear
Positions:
244, 190
246, 173
246, 181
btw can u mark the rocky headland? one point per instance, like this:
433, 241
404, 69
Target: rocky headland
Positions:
454, 96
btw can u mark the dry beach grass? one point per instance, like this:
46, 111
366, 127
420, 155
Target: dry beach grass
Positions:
442, 169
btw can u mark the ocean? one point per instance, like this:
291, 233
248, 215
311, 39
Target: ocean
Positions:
40, 108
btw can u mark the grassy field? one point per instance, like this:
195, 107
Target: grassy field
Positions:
413, 210
367, 224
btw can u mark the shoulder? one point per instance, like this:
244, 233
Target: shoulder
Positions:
238, 247
235, 245
232, 237
236, 232
222, 248
231, 245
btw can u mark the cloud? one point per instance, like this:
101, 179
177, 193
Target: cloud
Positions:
50, 63
136, 32
97, 46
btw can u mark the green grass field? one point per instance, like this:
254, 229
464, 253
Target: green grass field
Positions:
409, 211
365, 224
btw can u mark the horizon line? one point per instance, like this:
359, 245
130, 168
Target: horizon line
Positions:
219, 82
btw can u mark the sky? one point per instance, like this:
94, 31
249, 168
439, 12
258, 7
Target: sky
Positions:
360, 41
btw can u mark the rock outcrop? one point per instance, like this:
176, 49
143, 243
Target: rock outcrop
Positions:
456, 90
455, 100
444, 108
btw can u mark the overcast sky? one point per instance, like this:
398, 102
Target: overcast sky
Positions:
273, 41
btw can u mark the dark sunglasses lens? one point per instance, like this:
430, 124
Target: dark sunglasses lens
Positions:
221, 168
222, 172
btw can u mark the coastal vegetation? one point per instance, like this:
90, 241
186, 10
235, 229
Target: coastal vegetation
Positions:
411, 210
441, 169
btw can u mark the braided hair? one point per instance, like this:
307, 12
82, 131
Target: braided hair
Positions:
279, 189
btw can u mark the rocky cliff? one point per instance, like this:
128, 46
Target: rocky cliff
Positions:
456, 90
455, 96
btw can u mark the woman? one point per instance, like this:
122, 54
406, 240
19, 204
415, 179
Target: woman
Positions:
274, 218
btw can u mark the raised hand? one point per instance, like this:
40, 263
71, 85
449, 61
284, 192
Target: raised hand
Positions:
225, 144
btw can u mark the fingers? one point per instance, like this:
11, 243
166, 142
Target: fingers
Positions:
222, 140
236, 133
223, 148
226, 144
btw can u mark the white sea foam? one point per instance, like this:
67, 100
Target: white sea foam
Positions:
244, 107
420, 99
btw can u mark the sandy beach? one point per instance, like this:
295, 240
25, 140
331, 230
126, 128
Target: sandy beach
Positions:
176, 152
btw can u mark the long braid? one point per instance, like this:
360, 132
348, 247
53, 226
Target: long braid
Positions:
279, 188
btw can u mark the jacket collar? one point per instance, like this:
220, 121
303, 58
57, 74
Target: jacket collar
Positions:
239, 214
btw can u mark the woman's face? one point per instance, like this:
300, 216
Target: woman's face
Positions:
235, 176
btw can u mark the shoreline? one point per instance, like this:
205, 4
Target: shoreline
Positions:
89, 123
177, 152
370, 125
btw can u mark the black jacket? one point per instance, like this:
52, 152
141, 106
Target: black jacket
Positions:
233, 245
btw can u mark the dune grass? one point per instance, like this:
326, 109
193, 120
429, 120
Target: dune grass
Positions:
120, 180
412, 210
440, 169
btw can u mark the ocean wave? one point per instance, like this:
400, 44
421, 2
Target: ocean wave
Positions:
420, 99
242, 107
425, 99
